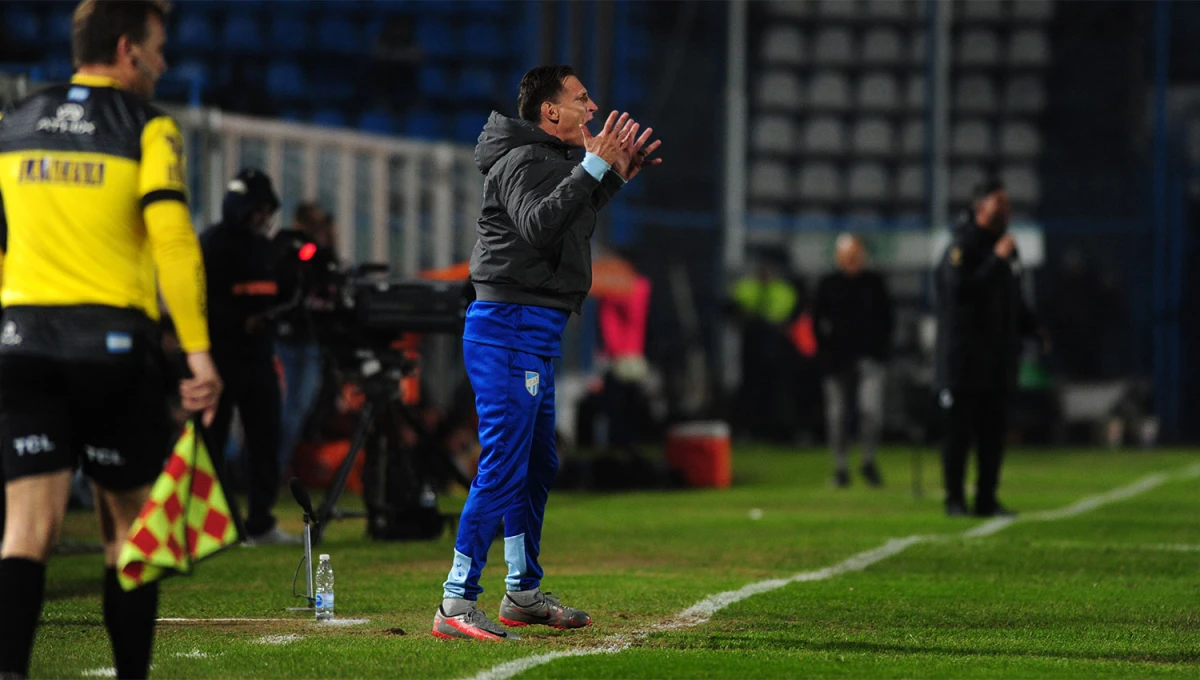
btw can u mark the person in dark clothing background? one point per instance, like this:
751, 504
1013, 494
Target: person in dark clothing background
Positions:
853, 319
241, 291
982, 320
305, 268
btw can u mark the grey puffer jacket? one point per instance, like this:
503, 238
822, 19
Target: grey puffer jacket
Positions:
539, 212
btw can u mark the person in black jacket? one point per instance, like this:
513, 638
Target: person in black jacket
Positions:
853, 319
241, 292
982, 319
531, 267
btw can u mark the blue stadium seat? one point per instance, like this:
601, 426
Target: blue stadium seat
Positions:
434, 82
436, 38
285, 79
339, 36
423, 125
477, 83
21, 25
468, 125
489, 8
329, 118
57, 69
192, 71
483, 40
58, 28
629, 89
379, 121
289, 33
195, 32
242, 34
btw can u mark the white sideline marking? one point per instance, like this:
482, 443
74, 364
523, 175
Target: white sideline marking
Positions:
703, 610
228, 620
100, 673
343, 622
278, 639
196, 653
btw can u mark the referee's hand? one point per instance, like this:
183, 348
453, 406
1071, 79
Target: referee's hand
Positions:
202, 391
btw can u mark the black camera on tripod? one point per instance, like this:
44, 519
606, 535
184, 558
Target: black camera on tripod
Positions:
373, 313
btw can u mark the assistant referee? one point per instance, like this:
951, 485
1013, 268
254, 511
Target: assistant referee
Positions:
94, 204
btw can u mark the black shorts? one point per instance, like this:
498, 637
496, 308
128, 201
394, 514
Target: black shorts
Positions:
106, 411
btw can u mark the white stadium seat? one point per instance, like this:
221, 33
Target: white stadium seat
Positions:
773, 134
972, 138
824, 135
780, 90
873, 137
769, 180
878, 92
829, 90
819, 182
783, 45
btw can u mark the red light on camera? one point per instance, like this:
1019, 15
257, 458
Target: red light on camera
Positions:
307, 251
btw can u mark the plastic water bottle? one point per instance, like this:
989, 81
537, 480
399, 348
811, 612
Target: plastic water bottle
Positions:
428, 497
324, 589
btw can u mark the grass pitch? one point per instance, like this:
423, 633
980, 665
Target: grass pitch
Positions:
1109, 592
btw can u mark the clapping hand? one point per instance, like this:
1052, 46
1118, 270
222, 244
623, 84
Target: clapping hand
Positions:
613, 138
638, 154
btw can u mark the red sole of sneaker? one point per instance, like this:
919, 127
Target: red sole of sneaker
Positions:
513, 624
439, 634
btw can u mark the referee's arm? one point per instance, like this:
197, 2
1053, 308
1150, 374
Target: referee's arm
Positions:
173, 242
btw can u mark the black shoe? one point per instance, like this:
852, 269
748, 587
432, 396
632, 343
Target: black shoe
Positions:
841, 479
994, 510
871, 474
956, 509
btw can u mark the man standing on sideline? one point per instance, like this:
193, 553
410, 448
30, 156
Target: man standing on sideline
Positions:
853, 319
982, 319
531, 268
241, 290
93, 209
305, 267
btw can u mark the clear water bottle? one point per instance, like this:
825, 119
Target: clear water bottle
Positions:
428, 497
324, 589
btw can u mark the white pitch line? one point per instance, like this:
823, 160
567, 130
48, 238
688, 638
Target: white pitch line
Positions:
226, 620
703, 610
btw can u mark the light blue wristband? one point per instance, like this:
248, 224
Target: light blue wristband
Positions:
595, 165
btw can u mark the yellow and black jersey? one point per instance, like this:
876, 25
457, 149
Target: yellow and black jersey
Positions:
93, 201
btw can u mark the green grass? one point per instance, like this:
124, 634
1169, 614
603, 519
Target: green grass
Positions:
1098, 595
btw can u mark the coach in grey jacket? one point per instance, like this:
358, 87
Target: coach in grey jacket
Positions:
531, 268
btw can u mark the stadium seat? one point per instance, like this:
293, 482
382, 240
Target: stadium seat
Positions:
915, 95
329, 118
629, 90
829, 90
435, 83
834, 46
912, 139
974, 94
1019, 140
882, 46
978, 47
285, 79
58, 28
289, 33
824, 135
977, 11
773, 134
789, 8
22, 25
57, 69
838, 9
477, 83
963, 180
867, 182
1029, 48
436, 37
192, 71
379, 121
878, 92
195, 33
918, 51
779, 90
971, 139
487, 8
1024, 95
819, 182
910, 184
769, 180
873, 137
483, 40
887, 10
423, 125
783, 45
340, 36
468, 125
1036, 11
241, 34
1022, 183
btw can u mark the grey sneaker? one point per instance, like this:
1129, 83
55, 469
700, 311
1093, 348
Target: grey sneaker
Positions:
275, 536
547, 611
469, 624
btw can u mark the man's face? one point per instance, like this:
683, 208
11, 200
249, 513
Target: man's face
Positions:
994, 211
144, 62
851, 257
260, 219
573, 108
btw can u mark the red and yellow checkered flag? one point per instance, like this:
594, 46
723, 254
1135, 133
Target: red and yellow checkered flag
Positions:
186, 518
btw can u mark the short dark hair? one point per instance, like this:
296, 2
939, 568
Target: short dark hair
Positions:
98, 25
541, 84
306, 214
986, 188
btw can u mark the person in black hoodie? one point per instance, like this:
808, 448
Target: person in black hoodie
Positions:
241, 292
982, 322
531, 268
853, 320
